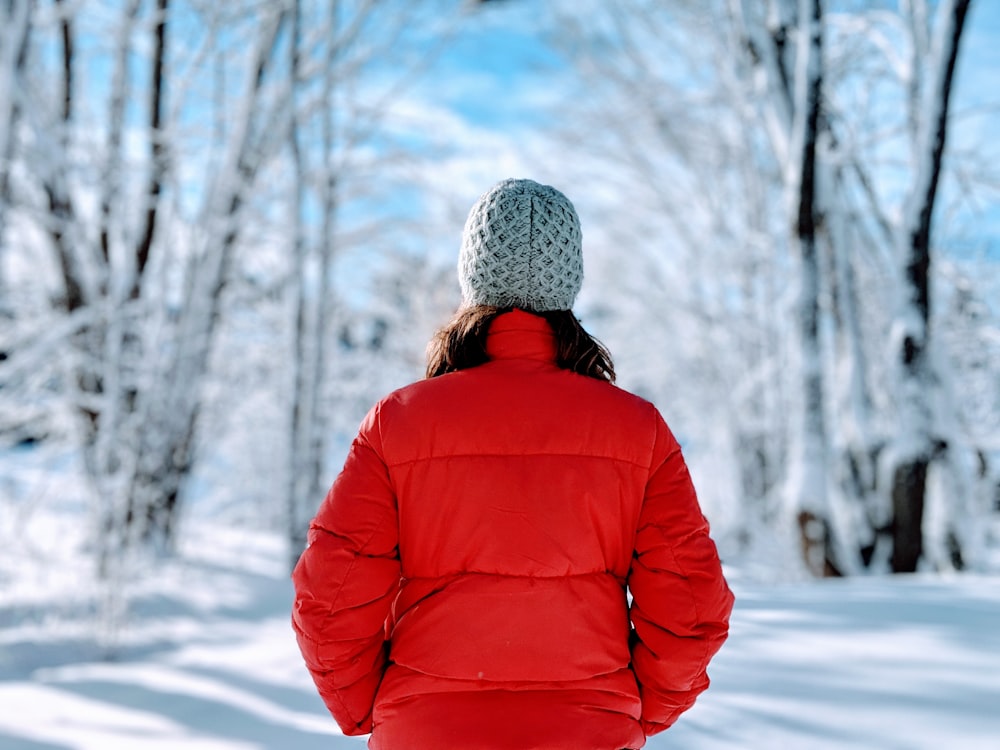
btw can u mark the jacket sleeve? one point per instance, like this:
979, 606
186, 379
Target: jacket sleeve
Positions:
680, 600
345, 582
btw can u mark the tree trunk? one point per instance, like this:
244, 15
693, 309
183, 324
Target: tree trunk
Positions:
854, 446
157, 146
15, 21
809, 479
918, 379
908, 484
310, 420
301, 404
171, 415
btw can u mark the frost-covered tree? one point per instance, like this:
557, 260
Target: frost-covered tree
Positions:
792, 55
15, 17
918, 438
179, 170
758, 147
140, 225
350, 64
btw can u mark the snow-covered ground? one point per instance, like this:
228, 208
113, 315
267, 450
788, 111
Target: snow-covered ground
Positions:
205, 659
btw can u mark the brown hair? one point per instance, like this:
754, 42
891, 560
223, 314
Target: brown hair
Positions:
462, 343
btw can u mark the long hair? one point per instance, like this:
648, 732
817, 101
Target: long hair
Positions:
461, 344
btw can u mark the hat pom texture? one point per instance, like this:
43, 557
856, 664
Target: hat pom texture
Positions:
522, 247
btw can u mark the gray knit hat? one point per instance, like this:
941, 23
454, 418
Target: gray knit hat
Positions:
521, 248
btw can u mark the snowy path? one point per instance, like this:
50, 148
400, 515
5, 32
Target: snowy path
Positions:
886, 664
207, 662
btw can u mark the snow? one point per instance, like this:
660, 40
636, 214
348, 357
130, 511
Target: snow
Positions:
205, 658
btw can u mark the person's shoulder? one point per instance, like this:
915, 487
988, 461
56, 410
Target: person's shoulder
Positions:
621, 412
409, 400
632, 397
419, 390
615, 393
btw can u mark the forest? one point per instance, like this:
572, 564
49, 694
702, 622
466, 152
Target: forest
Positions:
226, 229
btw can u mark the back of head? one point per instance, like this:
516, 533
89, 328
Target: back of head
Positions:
522, 247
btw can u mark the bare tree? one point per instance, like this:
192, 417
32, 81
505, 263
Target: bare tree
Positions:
338, 137
140, 342
758, 144
313, 301
15, 21
180, 145
917, 441
796, 92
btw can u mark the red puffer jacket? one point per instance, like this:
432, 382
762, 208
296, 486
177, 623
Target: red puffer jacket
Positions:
465, 580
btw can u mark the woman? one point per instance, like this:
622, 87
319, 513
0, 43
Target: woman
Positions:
465, 580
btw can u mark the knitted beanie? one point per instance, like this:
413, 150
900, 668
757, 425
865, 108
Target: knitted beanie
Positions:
521, 248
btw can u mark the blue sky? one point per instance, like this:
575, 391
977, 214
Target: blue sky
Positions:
978, 88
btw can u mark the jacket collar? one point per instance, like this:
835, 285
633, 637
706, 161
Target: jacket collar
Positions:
520, 335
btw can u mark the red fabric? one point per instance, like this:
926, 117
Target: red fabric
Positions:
465, 580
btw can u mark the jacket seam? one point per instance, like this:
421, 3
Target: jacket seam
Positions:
551, 454
552, 577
